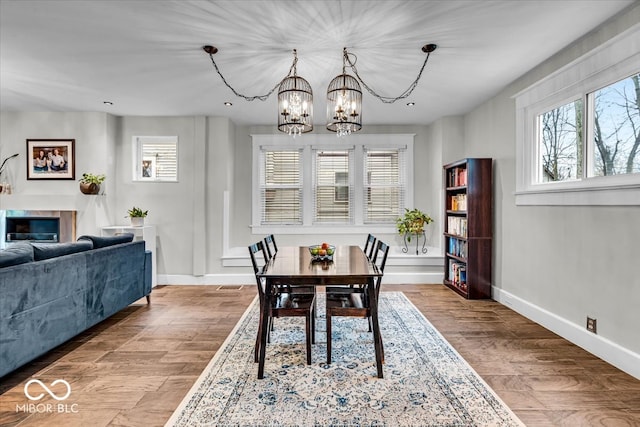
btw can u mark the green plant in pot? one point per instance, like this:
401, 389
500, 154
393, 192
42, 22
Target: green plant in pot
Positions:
411, 224
137, 216
90, 183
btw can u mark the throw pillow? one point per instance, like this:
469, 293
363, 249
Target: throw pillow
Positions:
103, 242
51, 250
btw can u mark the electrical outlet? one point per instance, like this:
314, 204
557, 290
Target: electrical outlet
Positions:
591, 325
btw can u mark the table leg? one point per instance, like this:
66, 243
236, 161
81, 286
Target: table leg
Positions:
264, 322
377, 338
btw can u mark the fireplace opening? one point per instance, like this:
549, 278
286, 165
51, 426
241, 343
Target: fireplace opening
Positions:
34, 229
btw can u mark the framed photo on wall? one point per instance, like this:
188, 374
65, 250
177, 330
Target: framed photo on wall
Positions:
51, 159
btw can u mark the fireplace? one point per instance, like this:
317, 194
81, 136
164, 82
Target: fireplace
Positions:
37, 226
34, 229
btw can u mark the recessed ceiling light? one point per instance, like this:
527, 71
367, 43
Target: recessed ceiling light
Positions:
107, 102
228, 104
411, 104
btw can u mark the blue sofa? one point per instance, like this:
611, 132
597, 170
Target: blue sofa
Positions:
52, 292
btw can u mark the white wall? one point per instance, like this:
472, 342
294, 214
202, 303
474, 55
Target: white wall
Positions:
94, 153
561, 263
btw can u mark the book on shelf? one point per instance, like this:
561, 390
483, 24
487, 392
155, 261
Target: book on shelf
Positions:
458, 274
458, 202
457, 226
457, 247
457, 177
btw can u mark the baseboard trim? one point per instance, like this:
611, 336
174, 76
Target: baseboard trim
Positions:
618, 356
249, 279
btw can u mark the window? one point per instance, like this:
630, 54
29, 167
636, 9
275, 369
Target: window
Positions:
384, 183
280, 187
321, 181
578, 131
331, 188
613, 121
616, 128
560, 143
155, 158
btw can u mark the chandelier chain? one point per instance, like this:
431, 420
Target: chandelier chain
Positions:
385, 99
253, 98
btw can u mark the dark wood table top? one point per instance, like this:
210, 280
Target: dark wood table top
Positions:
295, 262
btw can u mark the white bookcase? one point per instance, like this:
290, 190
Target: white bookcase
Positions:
146, 233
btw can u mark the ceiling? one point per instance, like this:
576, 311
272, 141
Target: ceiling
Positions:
146, 56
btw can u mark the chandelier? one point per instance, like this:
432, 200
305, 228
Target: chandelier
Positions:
295, 103
344, 96
344, 102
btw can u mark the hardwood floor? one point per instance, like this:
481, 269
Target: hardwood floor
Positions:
134, 368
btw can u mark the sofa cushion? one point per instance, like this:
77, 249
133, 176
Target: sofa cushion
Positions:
16, 253
51, 250
103, 242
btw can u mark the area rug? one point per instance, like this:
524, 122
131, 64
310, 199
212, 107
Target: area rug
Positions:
426, 382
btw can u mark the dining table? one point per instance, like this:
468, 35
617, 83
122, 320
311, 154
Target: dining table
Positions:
294, 265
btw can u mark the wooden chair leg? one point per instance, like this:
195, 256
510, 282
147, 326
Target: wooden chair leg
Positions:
308, 327
328, 338
313, 325
257, 347
148, 299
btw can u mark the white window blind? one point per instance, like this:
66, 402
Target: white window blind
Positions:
333, 187
157, 158
281, 187
384, 184
320, 183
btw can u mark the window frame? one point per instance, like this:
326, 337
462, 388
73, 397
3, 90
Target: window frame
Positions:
138, 158
310, 142
612, 61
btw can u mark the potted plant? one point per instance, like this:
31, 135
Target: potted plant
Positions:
412, 224
90, 183
137, 216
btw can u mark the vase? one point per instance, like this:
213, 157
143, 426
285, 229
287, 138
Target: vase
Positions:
89, 188
137, 221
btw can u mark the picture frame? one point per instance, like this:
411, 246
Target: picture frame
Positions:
51, 159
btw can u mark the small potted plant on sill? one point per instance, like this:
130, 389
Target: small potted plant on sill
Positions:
90, 183
411, 224
137, 216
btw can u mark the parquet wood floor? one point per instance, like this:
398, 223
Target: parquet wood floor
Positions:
134, 368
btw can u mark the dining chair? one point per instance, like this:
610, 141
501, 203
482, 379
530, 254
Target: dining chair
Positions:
354, 302
271, 250
283, 304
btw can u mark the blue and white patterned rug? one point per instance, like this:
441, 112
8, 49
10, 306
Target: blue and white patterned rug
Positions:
426, 382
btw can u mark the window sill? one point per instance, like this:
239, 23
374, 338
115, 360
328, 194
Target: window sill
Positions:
618, 195
324, 229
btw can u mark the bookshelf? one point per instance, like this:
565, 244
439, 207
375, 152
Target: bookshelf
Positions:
468, 224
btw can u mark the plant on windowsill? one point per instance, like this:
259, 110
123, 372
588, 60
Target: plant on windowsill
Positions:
90, 183
412, 224
137, 216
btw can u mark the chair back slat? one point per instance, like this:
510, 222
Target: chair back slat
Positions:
258, 263
380, 260
370, 245
380, 255
270, 245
